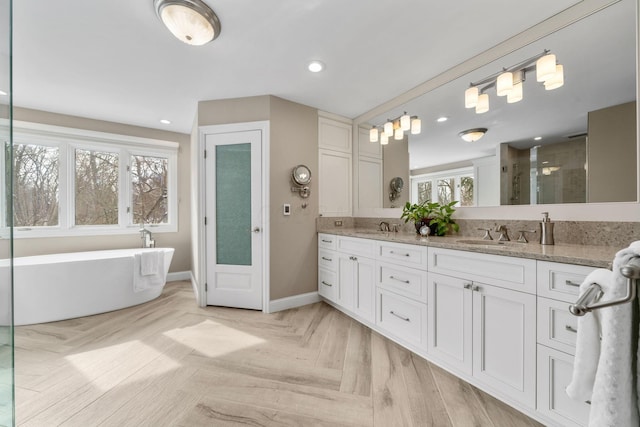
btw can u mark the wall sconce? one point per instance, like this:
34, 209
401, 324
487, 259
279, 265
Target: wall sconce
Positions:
508, 82
395, 187
301, 177
395, 128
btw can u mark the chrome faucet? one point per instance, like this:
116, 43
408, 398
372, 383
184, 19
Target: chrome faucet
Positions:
147, 238
384, 226
502, 229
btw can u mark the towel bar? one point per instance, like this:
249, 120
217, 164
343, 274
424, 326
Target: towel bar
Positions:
588, 301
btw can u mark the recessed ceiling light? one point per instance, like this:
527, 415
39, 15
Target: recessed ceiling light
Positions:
315, 66
442, 119
537, 138
165, 122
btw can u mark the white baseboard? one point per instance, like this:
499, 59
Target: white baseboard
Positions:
178, 275
293, 302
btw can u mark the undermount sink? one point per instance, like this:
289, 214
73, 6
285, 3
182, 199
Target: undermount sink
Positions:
481, 242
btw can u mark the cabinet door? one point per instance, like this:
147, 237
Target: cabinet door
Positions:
554, 375
365, 298
334, 135
346, 280
449, 330
334, 183
504, 341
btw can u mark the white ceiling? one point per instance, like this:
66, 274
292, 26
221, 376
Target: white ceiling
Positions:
114, 60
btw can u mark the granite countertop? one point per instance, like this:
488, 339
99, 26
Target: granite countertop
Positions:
593, 256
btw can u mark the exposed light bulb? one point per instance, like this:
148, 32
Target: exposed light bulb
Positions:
388, 128
384, 138
398, 134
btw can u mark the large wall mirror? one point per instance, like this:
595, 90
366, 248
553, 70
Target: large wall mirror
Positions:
575, 144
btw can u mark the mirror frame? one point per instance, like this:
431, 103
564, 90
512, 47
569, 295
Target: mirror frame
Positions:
620, 211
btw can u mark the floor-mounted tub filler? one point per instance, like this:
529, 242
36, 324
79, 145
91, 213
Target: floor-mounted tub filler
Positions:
55, 287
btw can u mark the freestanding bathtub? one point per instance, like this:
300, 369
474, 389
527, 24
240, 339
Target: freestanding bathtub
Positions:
55, 287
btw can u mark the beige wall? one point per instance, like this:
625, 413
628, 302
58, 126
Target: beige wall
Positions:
611, 154
179, 240
294, 247
395, 156
293, 140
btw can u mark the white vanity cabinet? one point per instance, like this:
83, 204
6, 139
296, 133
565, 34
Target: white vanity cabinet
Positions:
334, 167
558, 286
328, 266
483, 319
356, 279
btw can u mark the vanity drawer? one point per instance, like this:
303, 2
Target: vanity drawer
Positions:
555, 369
504, 271
355, 246
402, 317
405, 281
398, 253
557, 327
327, 241
561, 281
328, 260
328, 284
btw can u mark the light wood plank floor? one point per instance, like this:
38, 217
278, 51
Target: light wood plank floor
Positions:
171, 363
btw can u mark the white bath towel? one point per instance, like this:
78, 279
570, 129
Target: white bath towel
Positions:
149, 263
614, 402
142, 281
588, 342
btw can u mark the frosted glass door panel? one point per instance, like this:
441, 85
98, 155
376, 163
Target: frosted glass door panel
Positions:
233, 204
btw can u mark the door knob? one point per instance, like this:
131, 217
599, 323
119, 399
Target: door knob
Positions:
256, 230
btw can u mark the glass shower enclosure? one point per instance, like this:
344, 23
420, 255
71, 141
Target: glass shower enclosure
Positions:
7, 393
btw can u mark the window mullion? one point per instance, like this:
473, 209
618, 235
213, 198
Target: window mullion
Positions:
124, 193
66, 189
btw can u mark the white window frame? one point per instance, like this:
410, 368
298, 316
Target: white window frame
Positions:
67, 140
435, 176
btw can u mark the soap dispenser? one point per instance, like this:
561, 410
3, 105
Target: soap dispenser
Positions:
546, 230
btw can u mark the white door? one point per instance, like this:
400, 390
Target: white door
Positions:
233, 178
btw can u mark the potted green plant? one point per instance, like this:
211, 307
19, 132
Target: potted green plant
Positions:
433, 214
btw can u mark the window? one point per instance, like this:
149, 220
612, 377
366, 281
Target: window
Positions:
96, 180
149, 189
76, 182
35, 182
444, 187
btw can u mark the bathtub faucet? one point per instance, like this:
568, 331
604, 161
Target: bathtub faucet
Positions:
145, 235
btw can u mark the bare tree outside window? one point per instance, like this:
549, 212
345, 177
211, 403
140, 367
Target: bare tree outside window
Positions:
96, 187
35, 190
149, 178
445, 190
424, 192
466, 191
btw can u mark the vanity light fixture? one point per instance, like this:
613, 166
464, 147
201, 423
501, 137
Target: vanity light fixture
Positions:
395, 128
509, 81
472, 135
190, 21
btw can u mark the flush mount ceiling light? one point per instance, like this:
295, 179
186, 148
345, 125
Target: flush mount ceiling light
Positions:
191, 21
472, 135
165, 121
395, 128
508, 82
